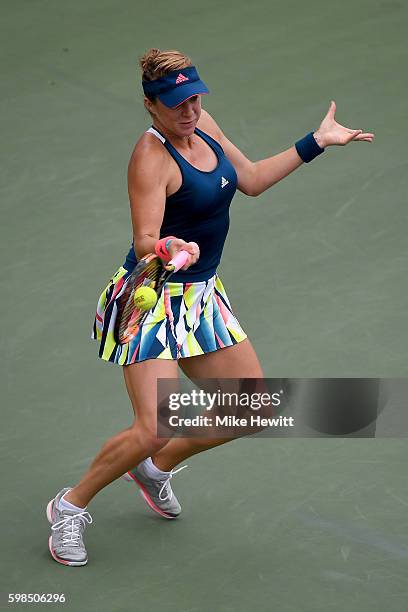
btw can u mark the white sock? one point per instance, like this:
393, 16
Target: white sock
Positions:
63, 504
152, 471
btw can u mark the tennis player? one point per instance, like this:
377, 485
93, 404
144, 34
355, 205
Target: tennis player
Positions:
182, 176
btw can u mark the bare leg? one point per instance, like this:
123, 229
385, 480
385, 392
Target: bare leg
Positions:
125, 450
238, 361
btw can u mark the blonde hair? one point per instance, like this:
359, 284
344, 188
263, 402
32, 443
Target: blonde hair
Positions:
156, 63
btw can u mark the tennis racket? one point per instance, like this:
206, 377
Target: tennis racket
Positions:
151, 272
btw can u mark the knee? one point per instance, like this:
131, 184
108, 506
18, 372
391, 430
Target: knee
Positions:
145, 436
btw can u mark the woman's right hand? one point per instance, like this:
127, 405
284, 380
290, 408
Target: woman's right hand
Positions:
177, 244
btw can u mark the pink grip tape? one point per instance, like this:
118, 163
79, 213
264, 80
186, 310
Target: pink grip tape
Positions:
178, 261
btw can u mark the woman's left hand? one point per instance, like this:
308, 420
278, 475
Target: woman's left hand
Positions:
332, 133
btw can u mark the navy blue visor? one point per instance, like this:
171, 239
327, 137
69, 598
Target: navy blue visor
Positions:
177, 86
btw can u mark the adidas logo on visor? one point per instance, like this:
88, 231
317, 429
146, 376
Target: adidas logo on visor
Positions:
181, 78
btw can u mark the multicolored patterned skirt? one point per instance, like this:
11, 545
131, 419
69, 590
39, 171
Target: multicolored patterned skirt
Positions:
189, 319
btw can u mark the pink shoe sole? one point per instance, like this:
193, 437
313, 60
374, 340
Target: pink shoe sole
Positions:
129, 477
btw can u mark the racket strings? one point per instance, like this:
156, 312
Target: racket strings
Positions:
129, 316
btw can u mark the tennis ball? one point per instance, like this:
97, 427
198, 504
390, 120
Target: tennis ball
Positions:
145, 298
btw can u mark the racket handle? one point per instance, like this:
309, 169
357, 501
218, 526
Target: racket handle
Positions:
178, 261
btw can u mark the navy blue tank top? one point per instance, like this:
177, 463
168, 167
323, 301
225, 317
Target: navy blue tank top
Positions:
198, 211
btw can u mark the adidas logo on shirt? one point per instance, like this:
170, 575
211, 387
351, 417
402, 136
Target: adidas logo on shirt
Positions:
224, 182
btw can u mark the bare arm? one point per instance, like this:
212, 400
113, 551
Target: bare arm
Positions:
147, 183
256, 177
147, 172
253, 177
